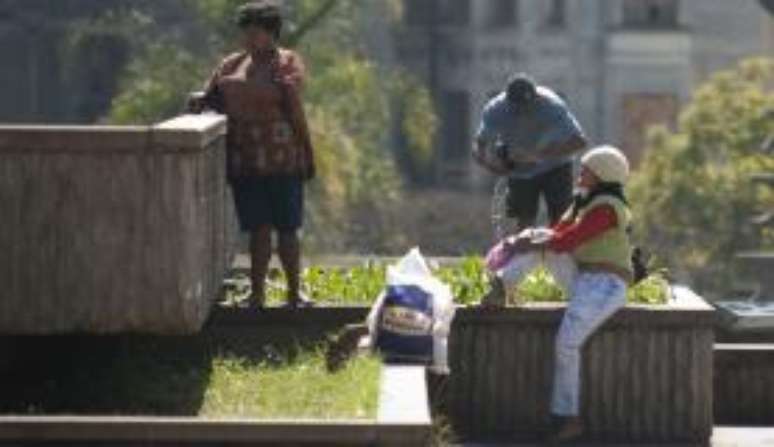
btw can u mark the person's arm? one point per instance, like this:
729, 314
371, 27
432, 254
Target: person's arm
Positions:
211, 97
485, 136
561, 225
290, 75
593, 223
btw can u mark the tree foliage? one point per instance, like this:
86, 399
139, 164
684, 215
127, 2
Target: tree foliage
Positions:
693, 196
350, 101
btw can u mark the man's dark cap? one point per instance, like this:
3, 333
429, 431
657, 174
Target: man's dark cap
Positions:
264, 13
521, 89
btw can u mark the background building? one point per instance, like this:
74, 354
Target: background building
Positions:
621, 64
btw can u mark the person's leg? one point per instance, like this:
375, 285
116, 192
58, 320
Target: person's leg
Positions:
260, 256
287, 206
254, 215
595, 298
564, 270
505, 280
557, 188
290, 256
522, 201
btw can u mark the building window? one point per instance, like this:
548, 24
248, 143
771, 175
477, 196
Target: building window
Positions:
455, 127
651, 13
502, 13
418, 12
455, 12
557, 14
440, 12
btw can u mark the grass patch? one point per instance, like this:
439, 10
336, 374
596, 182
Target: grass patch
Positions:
298, 389
209, 376
468, 280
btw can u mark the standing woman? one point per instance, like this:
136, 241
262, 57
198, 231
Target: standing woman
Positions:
269, 150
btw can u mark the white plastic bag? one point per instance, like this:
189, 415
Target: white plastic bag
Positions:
412, 270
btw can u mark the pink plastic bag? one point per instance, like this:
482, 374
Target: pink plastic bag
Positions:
499, 256
502, 253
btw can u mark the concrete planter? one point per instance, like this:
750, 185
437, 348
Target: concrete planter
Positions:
403, 420
647, 373
113, 229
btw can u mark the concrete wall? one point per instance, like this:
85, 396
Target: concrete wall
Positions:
647, 374
113, 229
744, 384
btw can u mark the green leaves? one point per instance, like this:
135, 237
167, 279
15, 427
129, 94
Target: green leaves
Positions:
692, 195
540, 287
352, 103
297, 387
156, 86
468, 279
652, 290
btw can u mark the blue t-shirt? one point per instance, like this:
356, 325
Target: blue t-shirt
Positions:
548, 122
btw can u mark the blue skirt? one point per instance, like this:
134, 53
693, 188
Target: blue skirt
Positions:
275, 201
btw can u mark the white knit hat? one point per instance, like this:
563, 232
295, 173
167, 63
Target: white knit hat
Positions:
608, 163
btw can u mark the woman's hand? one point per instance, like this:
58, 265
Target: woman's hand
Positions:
289, 76
531, 239
518, 244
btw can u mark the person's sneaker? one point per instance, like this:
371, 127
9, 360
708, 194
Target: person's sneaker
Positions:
495, 298
569, 430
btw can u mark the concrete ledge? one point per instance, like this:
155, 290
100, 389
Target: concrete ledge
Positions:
691, 308
183, 133
647, 373
403, 419
73, 139
278, 316
744, 384
188, 131
404, 410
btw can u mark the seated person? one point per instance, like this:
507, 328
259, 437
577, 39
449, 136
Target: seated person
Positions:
589, 253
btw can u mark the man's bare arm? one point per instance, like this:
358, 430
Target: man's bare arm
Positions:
480, 158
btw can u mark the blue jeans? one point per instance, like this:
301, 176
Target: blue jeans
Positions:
593, 298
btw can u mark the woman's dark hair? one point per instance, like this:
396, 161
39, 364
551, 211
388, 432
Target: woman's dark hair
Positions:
263, 13
601, 189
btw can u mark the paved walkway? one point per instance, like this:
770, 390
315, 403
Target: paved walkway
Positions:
723, 437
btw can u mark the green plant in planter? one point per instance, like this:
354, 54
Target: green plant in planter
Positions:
652, 290
540, 286
468, 280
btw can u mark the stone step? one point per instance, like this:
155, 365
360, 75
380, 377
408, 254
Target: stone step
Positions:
722, 437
